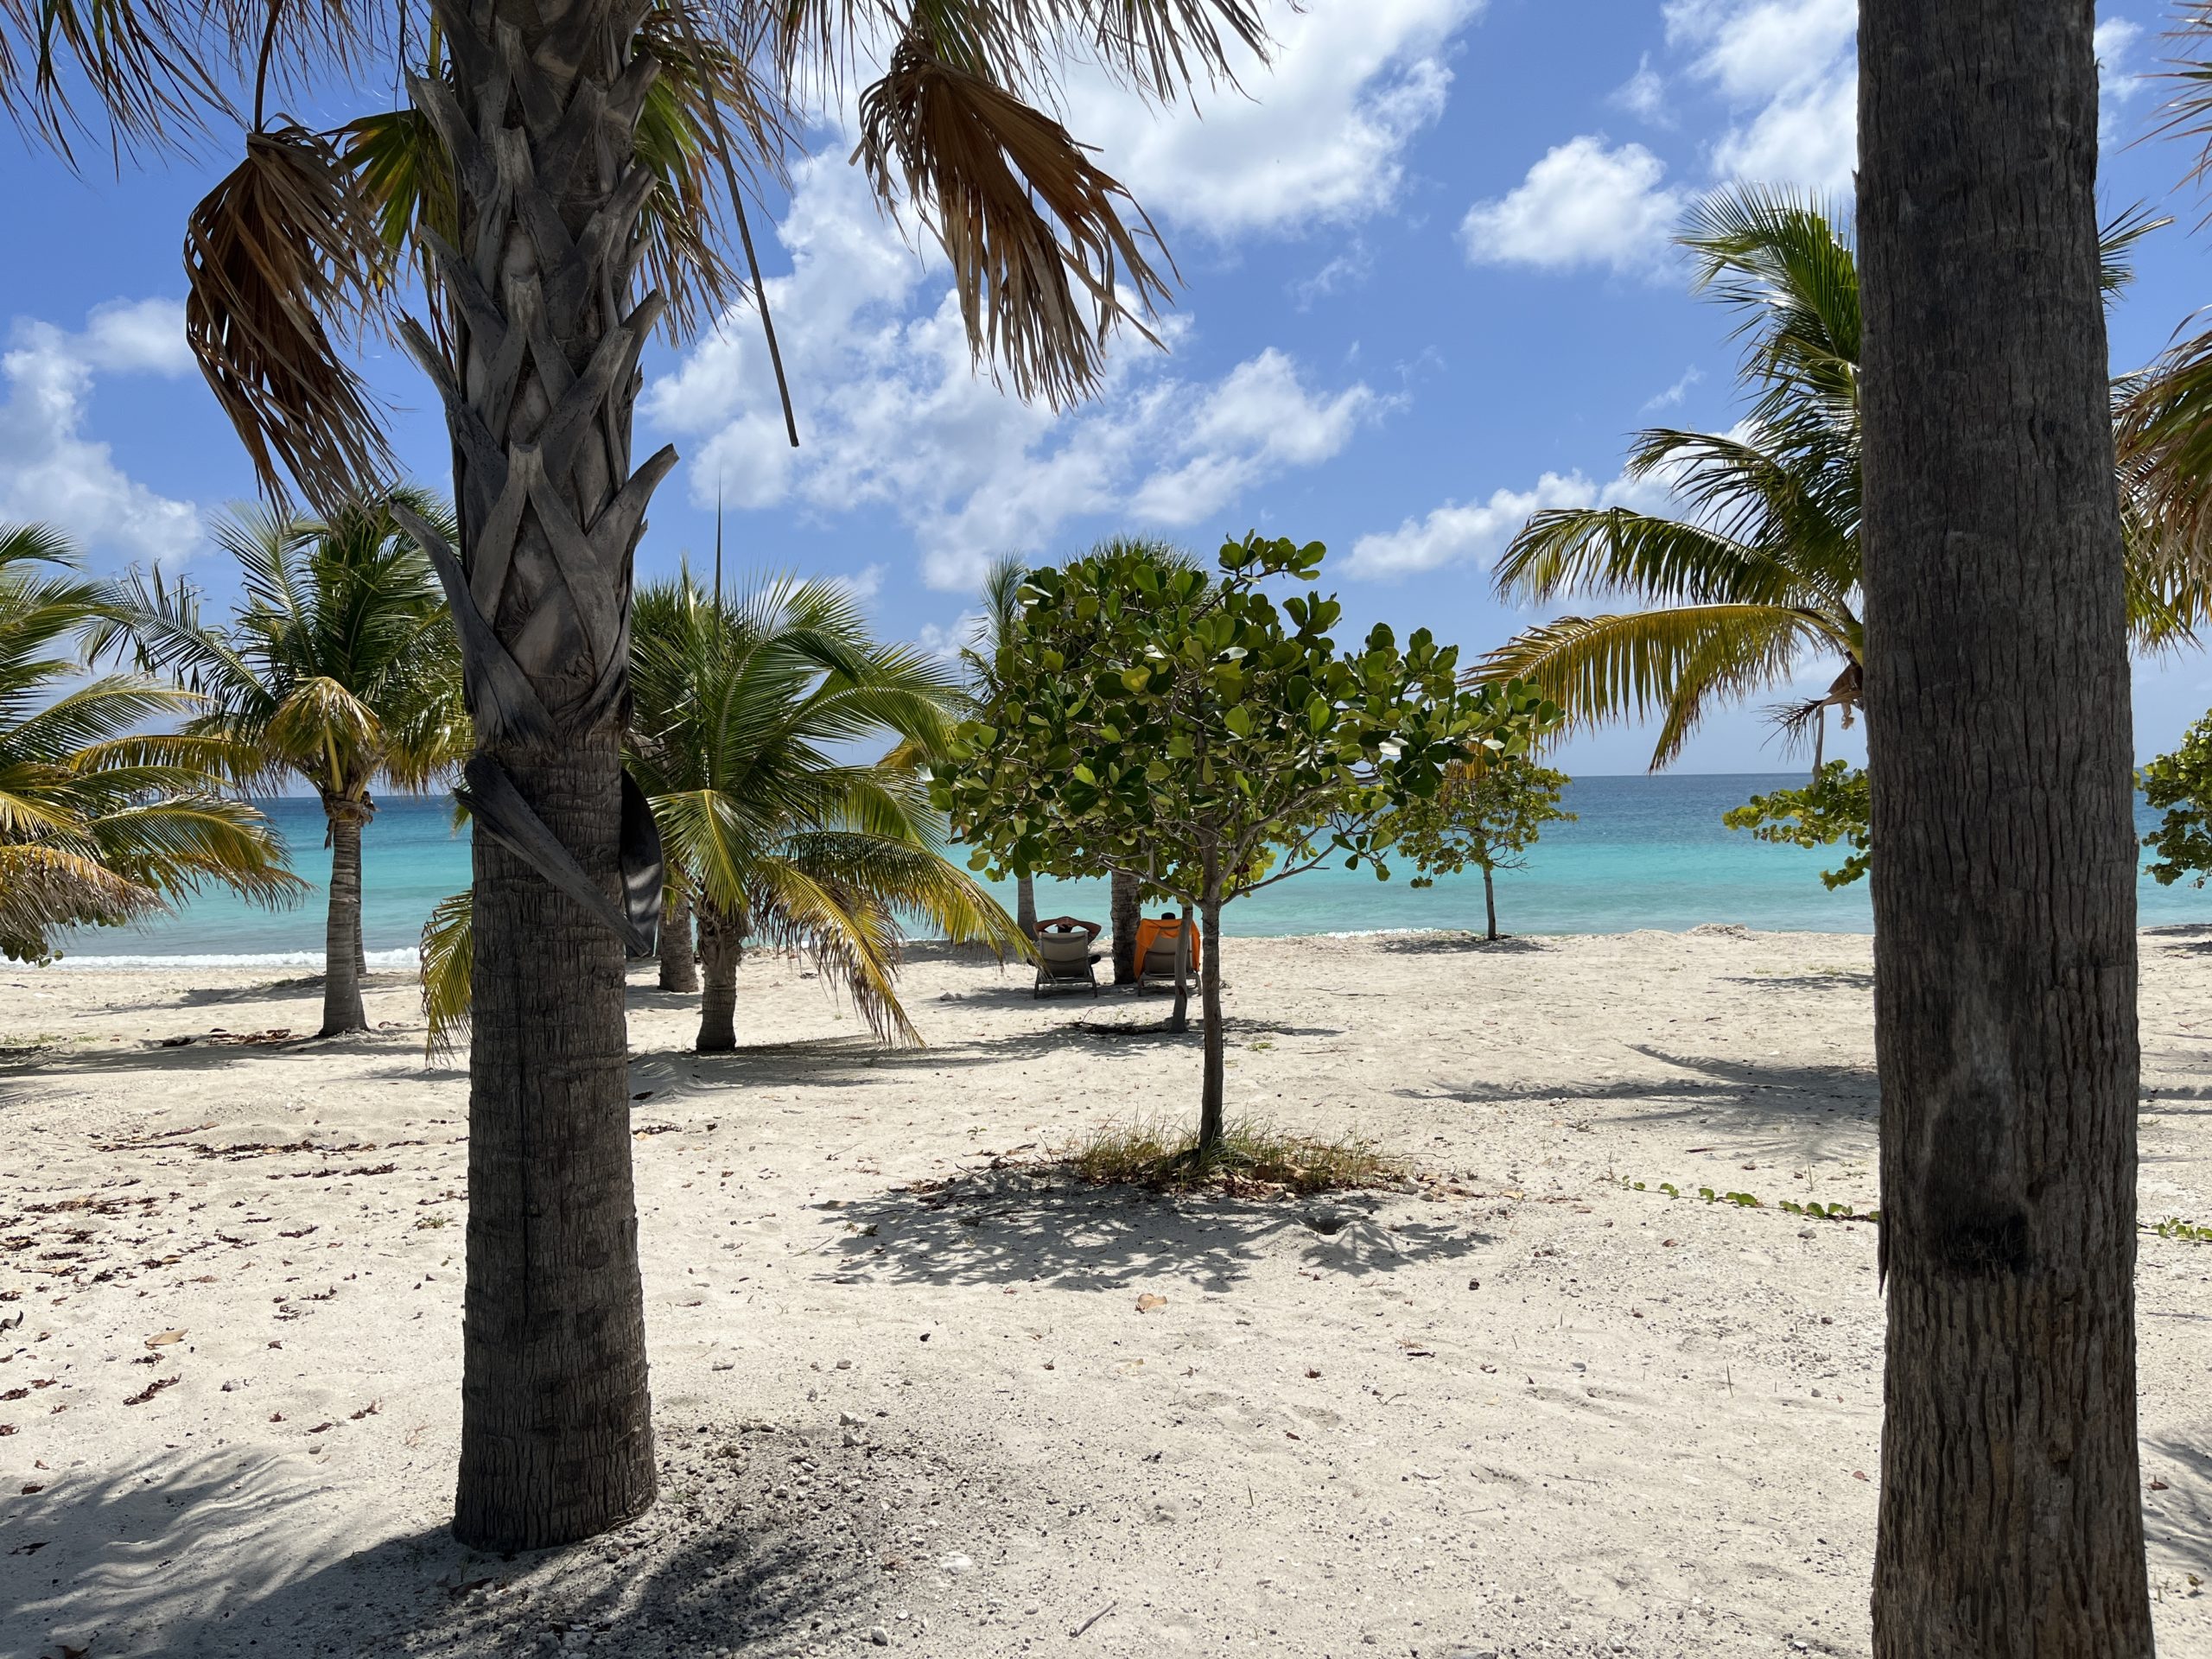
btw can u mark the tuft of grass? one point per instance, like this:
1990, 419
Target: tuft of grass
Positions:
1253, 1160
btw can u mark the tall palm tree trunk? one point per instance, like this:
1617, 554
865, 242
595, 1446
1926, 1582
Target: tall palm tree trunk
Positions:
540, 117
1025, 904
679, 961
1997, 702
1127, 912
722, 950
342, 963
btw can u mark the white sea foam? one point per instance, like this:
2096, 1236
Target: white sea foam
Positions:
403, 959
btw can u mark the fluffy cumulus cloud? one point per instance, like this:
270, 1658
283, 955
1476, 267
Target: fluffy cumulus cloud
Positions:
1791, 68
892, 412
1318, 134
1582, 204
50, 469
1475, 532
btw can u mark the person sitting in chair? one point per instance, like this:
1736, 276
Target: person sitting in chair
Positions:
1063, 954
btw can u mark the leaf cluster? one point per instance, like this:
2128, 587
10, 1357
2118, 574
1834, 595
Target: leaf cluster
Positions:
2179, 786
1493, 806
1837, 805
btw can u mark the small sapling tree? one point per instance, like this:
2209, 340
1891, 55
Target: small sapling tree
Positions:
1182, 727
1490, 807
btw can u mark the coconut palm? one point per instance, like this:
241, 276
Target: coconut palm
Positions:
743, 710
1762, 570
523, 181
337, 666
994, 629
99, 823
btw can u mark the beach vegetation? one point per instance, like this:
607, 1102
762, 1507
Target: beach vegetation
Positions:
1836, 806
1249, 1158
1490, 809
101, 822
1753, 569
337, 666
1183, 728
2178, 786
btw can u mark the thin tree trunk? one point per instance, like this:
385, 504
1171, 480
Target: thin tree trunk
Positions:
1211, 1117
1178, 1019
1997, 705
540, 114
721, 948
1126, 912
679, 961
1490, 904
341, 939
1025, 904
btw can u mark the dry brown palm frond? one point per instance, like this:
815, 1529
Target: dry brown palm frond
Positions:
1165, 46
1032, 227
276, 253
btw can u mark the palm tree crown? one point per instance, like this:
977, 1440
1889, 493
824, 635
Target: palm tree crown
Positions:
101, 823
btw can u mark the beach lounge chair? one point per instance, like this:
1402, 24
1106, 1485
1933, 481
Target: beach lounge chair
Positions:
1156, 943
1065, 958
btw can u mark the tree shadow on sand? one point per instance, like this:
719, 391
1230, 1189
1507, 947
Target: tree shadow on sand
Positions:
222, 1553
1031, 1226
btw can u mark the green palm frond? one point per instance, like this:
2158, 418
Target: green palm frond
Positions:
447, 955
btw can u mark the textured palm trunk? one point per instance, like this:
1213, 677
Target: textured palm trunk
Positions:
1211, 1111
341, 939
679, 960
538, 382
721, 950
1996, 704
1025, 904
1126, 912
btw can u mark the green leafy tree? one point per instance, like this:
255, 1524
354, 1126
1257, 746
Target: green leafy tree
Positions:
995, 629
337, 666
101, 823
1491, 808
1184, 728
1763, 569
1836, 806
2179, 786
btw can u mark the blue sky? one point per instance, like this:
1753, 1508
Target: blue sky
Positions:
1427, 288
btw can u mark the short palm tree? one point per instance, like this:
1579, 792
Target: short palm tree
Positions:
745, 711
339, 666
99, 823
1763, 569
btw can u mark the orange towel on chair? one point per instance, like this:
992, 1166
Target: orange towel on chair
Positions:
1153, 930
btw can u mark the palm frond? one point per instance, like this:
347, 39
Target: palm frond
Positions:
448, 958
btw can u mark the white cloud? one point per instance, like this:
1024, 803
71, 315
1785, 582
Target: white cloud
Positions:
1347, 270
1475, 532
2115, 38
50, 470
893, 413
1318, 134
1582, 204
1796, 60
864, 587
1643, 94
1672, 398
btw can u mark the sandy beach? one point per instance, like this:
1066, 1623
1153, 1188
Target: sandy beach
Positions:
906, 1390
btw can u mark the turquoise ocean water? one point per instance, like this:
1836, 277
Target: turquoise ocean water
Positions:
1646, 852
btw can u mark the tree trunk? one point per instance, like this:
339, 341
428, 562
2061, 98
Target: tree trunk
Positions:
1025, 904
341, 936
1210, 1113
679, 961
721, 948
1490, 904
1997, 705
1178, 1018
1126, 912
539, 115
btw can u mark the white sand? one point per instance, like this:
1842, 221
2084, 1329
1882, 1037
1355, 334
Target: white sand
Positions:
1643, 1434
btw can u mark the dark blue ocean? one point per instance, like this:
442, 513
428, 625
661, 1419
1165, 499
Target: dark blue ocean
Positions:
1645, 852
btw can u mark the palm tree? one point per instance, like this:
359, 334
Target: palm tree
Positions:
742, 710
99, 823
338, 667
2004, 945
995, 629
524, 178
1763, 569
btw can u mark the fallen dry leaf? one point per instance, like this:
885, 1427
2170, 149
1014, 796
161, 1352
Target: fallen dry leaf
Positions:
162, 1338
2158, 1486
1858, 1474
1147, 1302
